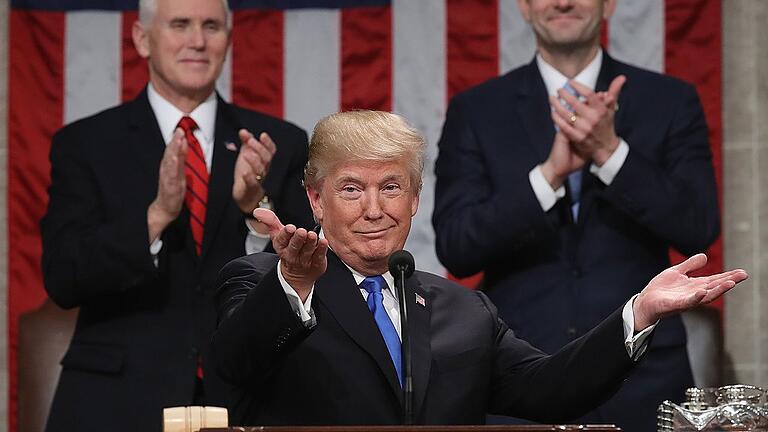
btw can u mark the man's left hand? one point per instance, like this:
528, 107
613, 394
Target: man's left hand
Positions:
673, 291
590, 126
250, 169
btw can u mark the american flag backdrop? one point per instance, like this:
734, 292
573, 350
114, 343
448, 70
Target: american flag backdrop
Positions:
301, 60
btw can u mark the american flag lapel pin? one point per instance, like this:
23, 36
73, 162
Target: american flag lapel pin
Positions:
420, 300
230, 146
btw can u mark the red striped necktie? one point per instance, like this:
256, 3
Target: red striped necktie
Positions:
196, 173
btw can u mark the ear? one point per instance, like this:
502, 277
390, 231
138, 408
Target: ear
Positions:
316, 203
415, 204
525, 9
609, 6
140, 39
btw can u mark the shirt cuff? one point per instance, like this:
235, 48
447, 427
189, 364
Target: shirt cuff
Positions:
636, 344
254, 240
154, 250
543, 190
302, 310
611, 167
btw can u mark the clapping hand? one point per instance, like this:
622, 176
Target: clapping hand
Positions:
589, 123
251, 167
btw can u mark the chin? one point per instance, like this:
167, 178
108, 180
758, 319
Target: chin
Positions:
198, 83
378, 252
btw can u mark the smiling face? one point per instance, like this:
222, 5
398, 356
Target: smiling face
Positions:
365, 209
185, 42
566, 24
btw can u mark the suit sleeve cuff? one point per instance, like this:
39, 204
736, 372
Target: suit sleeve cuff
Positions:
611, 167
546, 196
636, 344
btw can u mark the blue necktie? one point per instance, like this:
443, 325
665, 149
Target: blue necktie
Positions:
374, 285
574, 178
574, 181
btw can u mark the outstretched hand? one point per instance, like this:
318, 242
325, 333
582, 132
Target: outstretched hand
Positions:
302, 253
673, 291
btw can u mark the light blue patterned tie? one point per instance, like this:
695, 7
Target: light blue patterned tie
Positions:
574, 178
374, 285
574, 181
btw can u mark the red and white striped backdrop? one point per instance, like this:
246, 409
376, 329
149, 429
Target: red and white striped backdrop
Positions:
301, 61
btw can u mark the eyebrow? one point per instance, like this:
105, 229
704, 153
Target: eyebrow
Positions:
355, 179
187, 20
213, 21
346, 179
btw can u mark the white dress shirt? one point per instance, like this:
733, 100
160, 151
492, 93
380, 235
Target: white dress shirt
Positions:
168, 117
554, 80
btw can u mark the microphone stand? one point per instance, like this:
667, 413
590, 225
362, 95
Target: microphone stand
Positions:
405, 347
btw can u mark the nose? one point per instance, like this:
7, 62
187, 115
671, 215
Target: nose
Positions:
564, 4
372, 209
196, 37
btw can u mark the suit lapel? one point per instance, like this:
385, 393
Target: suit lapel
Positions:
341, 296
533, 108
146, 142
419, 331
222, 169
609, 71
147, 146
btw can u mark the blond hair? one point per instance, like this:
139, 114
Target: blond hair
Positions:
364, 135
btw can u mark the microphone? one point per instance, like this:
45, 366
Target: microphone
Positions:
401, 267
401, 260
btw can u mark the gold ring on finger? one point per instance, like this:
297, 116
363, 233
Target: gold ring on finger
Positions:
573, 118
259, 177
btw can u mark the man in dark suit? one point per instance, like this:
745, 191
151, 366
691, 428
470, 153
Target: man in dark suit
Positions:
568, 198
312, 335
148, 201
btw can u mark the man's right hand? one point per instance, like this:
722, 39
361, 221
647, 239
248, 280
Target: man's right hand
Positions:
171, 186
562, 161
302, 253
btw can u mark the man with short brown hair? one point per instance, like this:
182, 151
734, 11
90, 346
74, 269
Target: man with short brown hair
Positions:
566, 181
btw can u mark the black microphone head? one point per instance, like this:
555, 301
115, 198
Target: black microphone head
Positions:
401, 260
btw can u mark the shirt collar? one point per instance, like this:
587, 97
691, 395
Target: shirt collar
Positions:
554, 80
168, 115
359, 277
387, 277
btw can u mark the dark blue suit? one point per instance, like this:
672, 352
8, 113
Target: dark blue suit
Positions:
552, 278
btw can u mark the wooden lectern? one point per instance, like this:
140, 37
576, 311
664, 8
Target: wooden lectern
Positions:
474, 428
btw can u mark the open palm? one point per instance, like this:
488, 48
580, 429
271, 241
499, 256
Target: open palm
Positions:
673, 291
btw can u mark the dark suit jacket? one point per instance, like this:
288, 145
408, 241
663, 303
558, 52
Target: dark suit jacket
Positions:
140, 328
553, 279
465, 360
